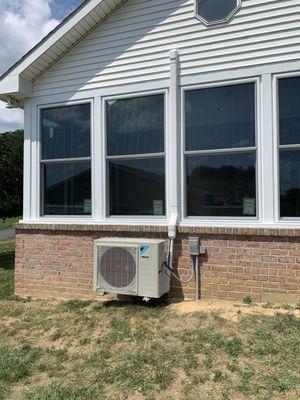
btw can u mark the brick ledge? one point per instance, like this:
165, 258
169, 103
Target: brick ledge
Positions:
242, 231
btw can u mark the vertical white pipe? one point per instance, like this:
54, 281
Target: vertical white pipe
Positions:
173, 145
197, 278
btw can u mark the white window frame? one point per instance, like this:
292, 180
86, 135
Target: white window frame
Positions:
224, 221
137, 219
277, 147
216, 22
268, 196
40, 183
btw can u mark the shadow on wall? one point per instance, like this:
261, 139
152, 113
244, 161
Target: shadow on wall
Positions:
69, 75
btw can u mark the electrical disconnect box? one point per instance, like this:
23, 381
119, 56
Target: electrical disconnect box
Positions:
195, 248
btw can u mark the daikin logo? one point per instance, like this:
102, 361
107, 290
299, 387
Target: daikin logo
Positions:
144, 249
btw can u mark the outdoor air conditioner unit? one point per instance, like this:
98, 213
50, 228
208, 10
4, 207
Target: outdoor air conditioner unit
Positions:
132, 267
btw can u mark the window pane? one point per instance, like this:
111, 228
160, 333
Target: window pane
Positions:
135, 126
221, 185
289, 110
66, 132
216, 10
220, 118
290, 183
137, 187
67, 189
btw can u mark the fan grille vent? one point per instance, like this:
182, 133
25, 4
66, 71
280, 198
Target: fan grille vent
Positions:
118, 267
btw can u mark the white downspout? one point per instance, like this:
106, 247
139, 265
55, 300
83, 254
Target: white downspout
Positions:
174, 168
173, 138
173, 145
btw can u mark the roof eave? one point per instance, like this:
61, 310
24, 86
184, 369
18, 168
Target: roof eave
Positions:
14, 84
15, 87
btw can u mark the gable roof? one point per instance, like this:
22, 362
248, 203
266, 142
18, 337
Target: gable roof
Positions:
16, 82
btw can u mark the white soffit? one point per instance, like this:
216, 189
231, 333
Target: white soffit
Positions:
57, 43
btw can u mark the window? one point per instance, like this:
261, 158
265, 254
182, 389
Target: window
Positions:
216, 11
289, 146
66, 160
135, 155
220, 151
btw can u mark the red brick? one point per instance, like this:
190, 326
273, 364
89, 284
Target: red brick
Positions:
53, 262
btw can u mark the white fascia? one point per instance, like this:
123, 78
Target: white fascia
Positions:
15, 87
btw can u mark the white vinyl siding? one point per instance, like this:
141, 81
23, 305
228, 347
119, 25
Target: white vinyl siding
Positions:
133, 53
133, 44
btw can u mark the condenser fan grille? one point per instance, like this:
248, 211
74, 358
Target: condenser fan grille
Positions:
117, 267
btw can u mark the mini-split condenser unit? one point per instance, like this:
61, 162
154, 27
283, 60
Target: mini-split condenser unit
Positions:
132, 267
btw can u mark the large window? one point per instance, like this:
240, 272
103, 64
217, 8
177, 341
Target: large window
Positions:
66, 160
135, 129
220, 151
289, 146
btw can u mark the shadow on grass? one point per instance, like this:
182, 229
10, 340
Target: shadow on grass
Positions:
7, 260
136, 302
7, 255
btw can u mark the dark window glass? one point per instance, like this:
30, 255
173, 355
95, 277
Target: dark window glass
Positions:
222, 117
137, 187
221, 185
66, 132
215, 10
67, 188
135, 126
290, 183
289, 110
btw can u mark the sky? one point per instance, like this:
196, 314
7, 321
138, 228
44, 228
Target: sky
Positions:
23, 24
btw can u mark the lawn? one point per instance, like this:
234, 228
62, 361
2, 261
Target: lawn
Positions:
8, 223
75, 350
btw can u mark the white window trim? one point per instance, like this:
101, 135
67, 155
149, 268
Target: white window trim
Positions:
268, 196
223, 221
276, 149
39, 191
129, 219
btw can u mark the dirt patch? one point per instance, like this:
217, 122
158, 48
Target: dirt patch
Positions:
227, 309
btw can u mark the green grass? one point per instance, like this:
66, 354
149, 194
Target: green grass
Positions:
84, 350
8, 223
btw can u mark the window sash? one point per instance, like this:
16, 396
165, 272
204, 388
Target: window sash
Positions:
212, 152
43, 164
110, 205
66, 160
281, 148
69, 160
220, 151
66, 107
136, 156
221, 217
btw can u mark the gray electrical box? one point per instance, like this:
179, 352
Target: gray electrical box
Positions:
194, 246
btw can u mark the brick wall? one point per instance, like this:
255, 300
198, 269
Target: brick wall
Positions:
57, 261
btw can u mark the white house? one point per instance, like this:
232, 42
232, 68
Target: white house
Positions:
145, 119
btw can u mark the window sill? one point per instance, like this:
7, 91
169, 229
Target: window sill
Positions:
199, 229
